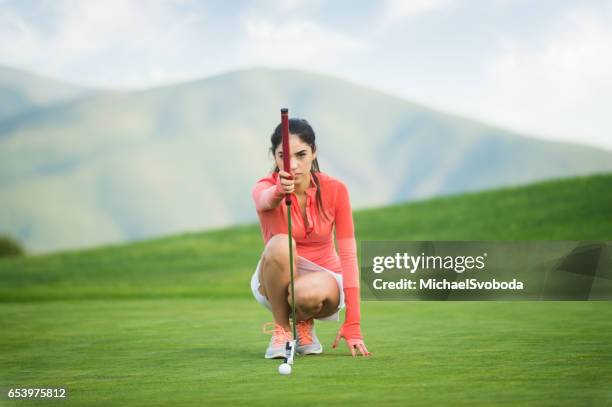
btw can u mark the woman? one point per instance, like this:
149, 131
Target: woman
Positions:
324, 280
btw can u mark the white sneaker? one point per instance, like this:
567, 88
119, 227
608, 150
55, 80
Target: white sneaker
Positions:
276, 348
308, 343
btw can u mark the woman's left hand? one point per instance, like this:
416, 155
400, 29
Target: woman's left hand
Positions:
352, 335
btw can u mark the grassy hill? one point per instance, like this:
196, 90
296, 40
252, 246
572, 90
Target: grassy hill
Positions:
172, 321
217, 264
123, 166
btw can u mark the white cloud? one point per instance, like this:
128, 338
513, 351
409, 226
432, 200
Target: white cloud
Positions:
297, 43
397, 10
95, 36
558, 85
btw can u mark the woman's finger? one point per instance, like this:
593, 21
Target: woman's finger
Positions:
337, 340
364, 350
285, 175
353, 350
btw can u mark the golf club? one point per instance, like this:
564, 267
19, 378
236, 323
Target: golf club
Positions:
290, 346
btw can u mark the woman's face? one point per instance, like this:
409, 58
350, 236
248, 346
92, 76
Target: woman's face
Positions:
301, 158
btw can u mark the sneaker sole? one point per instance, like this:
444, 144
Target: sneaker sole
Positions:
310, 352
277, 355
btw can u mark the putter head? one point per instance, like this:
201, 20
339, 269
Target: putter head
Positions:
290, 351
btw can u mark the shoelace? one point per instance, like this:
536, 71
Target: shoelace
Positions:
304, 330
279, 335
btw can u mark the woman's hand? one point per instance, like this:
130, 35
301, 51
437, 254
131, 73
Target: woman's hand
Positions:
287, 182
352, 335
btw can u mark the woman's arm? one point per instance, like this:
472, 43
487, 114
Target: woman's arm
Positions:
266, 194
347, 251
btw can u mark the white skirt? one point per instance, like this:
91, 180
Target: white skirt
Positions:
303, 266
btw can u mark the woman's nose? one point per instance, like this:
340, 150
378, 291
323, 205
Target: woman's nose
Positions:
294, 164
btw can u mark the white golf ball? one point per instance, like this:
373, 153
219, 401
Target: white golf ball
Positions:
284, 369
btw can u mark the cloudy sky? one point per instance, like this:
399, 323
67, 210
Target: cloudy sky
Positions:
541, 67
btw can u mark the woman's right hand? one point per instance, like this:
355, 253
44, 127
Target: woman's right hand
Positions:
287, 182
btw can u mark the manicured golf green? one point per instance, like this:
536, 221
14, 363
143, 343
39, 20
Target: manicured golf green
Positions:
210, 352
171, 321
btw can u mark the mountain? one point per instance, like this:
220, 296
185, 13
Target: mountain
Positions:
22, 93
115, 166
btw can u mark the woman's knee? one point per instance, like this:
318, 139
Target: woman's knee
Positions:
276, 250
308, 297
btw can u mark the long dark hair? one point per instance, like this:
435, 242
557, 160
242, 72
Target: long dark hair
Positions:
304, 131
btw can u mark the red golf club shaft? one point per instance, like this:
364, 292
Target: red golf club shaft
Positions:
286, 152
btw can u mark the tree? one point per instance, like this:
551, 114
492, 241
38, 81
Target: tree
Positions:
10, 247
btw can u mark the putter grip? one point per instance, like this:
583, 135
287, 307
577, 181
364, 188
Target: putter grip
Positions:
286, 152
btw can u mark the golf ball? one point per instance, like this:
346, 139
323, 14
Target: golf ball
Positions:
284, 369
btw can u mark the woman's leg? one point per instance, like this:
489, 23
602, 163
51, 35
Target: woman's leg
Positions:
274, 277
316, 296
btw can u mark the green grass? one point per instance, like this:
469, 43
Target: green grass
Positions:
209, 352
171, 320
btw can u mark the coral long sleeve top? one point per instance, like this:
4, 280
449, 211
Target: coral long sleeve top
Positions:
313, 235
